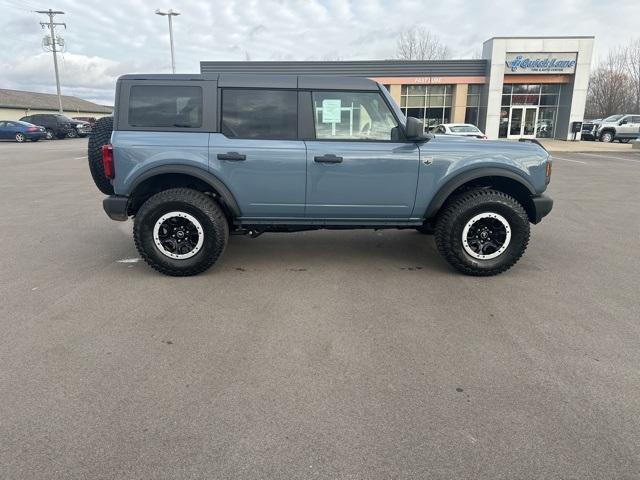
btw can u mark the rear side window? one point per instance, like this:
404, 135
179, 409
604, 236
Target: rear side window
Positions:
265, 114
165, 106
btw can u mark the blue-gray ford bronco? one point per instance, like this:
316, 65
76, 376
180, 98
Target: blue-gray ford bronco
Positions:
194, 158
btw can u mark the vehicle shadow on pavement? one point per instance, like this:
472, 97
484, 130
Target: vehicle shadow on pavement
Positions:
320, 250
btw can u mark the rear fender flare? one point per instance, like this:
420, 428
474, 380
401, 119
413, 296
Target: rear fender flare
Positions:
207, 177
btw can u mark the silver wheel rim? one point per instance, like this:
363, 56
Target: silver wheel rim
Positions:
606, 137
480, 241
174, 234
19, 137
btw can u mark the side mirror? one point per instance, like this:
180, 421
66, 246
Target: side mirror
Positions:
415, 130
623, 121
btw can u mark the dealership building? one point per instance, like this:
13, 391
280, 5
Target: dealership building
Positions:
523, 87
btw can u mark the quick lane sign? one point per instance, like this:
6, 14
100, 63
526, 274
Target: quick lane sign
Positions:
541, 63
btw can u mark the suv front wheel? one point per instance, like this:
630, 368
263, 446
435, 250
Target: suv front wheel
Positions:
607, 137
180, 232
482, 232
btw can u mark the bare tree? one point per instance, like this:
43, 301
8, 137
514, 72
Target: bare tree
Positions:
609, 86
416, 43
632, 61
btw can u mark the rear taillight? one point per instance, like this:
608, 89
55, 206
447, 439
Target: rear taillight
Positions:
107, 161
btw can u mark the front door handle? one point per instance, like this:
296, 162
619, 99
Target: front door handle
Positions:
232, 156
329, 158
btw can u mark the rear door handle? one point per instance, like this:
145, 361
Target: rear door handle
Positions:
329, 158
232, 156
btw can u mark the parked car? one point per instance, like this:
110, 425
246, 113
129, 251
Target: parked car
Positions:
194, 158
80, 128
55, 125
20, 131
459, 129
623, 128
90, 120
589, 129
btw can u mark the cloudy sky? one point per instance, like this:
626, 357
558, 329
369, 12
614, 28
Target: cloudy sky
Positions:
109, 38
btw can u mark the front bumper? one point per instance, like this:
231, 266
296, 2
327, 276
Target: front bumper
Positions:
542, 205
116, 207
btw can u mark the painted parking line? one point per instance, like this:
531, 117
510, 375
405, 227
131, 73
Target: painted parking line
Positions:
555, 157
609, 157
80, 158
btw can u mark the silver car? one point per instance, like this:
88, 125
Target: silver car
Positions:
459, 129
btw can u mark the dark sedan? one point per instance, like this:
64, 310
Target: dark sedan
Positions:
20, 131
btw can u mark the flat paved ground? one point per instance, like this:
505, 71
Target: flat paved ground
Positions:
322, 355
587, 146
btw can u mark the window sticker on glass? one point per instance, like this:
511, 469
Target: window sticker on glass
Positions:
331, 110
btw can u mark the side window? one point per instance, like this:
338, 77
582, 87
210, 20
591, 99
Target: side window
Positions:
636, 119
165, 106
259, 113
352, 116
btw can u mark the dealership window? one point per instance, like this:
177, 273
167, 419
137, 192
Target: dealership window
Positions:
165, 106
472, 113
352, 116
268, 114
545, 98
430, 104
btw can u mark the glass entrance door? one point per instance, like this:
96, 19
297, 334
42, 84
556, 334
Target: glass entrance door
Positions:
523, 122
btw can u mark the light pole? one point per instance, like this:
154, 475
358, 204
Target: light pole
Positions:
170, 13
53, 41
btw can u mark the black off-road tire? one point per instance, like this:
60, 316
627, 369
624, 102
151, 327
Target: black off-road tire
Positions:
460, 210
100, 136
208, 213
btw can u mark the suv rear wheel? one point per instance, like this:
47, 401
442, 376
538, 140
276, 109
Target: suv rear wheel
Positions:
180, 232
482, 232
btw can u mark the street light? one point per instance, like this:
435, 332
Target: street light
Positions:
170, 13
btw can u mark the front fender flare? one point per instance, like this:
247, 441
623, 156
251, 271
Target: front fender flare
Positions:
456, 182
207, 177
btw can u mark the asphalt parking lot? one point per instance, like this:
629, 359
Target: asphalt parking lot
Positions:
320, 355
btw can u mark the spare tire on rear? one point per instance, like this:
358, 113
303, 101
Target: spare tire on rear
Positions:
100, 136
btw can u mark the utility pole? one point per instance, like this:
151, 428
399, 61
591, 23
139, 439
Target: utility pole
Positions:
51, 25
170, 13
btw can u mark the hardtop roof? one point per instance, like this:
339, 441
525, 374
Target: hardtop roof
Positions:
307, 82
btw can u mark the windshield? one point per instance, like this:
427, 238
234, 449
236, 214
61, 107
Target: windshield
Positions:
613, 118
463, 129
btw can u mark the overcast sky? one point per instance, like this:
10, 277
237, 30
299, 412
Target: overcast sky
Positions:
109, 38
